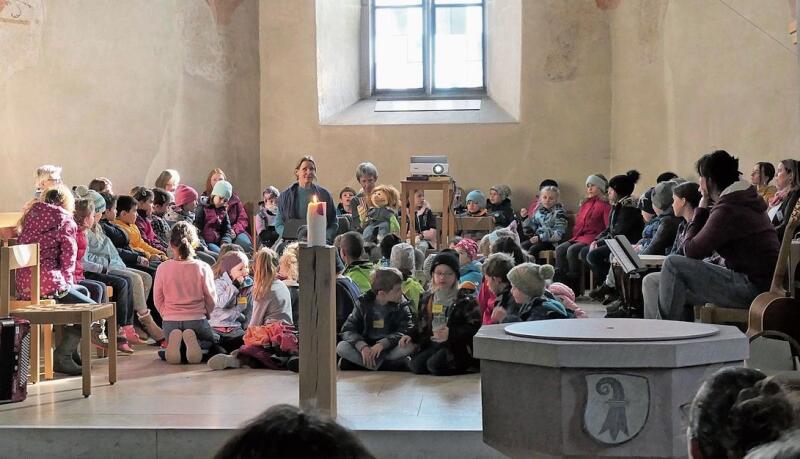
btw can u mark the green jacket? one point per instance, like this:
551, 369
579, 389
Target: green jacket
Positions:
359, 272
412, 290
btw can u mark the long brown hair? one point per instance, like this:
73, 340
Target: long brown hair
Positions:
265, 269
184, 239
213, 172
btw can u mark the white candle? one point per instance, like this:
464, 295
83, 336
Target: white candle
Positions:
317, 223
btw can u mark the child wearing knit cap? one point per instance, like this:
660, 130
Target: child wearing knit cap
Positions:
211, 219
448, 319
564, 295
265, 218
625, 219
230, 275
499, 205
372, 335
592, 219
469, 267
476, 204
183, 210
403, 258
528, 282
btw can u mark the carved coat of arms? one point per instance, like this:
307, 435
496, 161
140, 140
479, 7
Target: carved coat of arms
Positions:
616, 406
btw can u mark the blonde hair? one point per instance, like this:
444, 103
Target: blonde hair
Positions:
265, 268
60, 196
47, 172
166, 176
83, 209
213, 172
288, 265
100, 184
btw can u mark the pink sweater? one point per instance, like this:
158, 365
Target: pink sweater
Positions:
184, 290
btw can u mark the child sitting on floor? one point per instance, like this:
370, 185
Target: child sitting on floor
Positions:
548, 224
230, 274
470, 268
528, 288
185, 295
403, 258
144, 211
371, 336
212, 220
265, 218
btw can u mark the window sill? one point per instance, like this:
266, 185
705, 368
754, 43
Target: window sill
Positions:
363, 113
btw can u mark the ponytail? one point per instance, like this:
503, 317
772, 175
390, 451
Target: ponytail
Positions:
183, 240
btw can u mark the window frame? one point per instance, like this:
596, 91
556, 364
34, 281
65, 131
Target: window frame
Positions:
428, 91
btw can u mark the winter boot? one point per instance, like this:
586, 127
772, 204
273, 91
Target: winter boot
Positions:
151, 327
62, 355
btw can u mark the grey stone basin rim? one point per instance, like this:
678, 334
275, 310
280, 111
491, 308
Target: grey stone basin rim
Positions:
610, 330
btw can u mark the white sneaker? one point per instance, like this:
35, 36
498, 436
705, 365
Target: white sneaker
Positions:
223, 361
193, 352
173, 352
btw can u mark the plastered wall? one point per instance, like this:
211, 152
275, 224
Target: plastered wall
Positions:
126, 89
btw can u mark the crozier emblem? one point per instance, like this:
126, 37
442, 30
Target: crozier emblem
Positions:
616, 407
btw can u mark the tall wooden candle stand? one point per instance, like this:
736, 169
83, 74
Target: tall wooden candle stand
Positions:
318, 329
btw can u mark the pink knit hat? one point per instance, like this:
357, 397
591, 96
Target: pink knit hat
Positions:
566, 296
469, 246
185, 194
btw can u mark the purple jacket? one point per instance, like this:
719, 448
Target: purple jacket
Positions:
54, 229
237, 215
213, 224
738, 229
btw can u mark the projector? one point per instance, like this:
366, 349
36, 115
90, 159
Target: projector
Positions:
429, 165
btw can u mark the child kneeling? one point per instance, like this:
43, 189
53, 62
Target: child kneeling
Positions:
371, 335
185, 295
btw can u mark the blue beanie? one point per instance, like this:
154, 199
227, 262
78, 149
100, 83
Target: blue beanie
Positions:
223, 189
477, 197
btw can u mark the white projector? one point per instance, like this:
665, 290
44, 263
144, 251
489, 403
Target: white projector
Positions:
429, 165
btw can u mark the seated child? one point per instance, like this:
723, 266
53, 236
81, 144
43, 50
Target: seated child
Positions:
185, 295
144, 212
212, 220
183, 210
403, 258
548, 224
470, 269
126, 220
347, 294
357, 268
495, 275
526, 213
162, 202
448, 319
476, 204
265, 218
230, 274
345, 198
371, 336
168, 180
101, 185
528, 288
272, 299
119, 238
499, 205
424, 221
385, 246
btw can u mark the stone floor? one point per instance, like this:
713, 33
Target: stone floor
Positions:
153, 398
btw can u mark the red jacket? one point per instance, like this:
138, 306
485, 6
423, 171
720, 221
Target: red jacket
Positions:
54, 229
592, 219
486, 302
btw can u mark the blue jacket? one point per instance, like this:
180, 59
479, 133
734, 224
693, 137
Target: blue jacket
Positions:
549, 224
471, 272
287, 208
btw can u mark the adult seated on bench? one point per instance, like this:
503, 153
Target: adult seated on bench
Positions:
737, 228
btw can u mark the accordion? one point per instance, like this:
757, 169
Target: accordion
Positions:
15, 349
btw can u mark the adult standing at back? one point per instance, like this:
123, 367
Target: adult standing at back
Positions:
293, 201
236, 211
367, 176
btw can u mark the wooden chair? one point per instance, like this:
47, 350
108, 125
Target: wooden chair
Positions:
47, 313
712, 314
8, 224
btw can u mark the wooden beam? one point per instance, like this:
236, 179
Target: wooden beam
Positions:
318, 329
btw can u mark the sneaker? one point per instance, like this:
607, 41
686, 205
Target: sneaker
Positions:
223, 361
98, 339
615, 306
123, 347
598, 293
193, 352
173, 352
130, 335
611, 297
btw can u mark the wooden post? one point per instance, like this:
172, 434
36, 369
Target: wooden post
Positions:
318, 329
